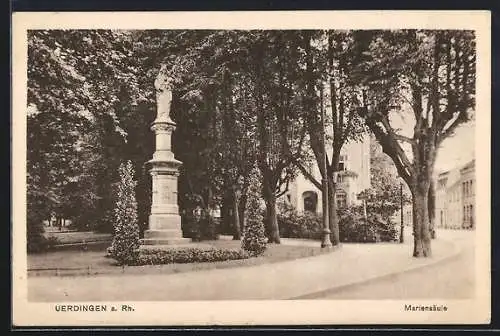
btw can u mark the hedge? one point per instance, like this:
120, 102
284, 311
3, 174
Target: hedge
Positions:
353, 227
186, 255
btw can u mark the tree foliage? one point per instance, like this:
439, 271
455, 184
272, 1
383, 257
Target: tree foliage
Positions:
86, 107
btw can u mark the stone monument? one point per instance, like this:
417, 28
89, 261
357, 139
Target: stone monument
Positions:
164, 220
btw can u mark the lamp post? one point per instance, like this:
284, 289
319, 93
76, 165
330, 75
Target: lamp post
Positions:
326, 242
401, 234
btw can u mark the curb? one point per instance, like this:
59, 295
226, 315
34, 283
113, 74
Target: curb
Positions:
318, 294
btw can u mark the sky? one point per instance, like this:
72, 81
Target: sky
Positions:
456, 150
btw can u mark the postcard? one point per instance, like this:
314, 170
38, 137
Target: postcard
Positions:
251, 168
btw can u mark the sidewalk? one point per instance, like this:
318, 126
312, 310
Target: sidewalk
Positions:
351, 263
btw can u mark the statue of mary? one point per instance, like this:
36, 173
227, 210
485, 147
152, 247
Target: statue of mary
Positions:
163, 86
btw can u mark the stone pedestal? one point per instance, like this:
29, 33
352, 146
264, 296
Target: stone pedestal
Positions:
164, 220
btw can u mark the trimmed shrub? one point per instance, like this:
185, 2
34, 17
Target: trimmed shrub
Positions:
254, 236
355, 228
188, 255
294, 225
125, 245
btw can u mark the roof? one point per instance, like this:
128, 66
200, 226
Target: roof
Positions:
453, 175
469, 165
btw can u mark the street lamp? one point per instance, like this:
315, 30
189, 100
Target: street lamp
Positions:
326, 242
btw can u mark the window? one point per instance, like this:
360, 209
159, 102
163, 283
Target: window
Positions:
341, 200
310, 201
342, 162
464, 217
471, 224
340, 178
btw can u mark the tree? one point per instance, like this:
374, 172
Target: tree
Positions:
125, 245
73, 80
281, 133
427, 75
329, 71
234, 85
236, 146
212, 125
90, 98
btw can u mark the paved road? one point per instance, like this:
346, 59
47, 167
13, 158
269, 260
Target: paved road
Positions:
351, 263
453, 279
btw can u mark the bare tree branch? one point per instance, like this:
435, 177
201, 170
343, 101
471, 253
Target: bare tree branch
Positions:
403, 138
449, 131
279, 194
307, 174
391, 147
385, 121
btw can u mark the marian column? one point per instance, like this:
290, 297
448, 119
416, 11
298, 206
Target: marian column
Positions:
164, 220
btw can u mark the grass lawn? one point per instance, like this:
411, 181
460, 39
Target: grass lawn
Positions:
77, 263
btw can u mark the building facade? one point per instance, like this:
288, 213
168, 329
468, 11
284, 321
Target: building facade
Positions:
467, 174
353, 177
455, 198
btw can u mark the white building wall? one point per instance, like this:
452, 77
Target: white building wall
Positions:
358, 161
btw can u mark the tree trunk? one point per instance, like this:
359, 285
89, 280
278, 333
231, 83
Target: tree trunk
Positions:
332, 212
226, 216
272, 219
236, 217
421, 232
432, 209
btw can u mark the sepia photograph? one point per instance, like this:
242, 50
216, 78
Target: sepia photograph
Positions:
251, 168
